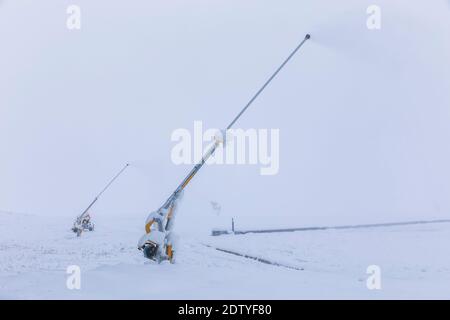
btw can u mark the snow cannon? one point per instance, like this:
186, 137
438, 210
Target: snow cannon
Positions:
158, 241
83, 221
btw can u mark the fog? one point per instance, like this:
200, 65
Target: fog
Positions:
363, 114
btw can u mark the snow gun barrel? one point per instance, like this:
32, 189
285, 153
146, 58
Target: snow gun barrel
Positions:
101, 192
213, 148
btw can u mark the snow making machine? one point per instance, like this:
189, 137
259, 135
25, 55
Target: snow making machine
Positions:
159, 242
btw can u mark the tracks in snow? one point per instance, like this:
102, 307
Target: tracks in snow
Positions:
259, 259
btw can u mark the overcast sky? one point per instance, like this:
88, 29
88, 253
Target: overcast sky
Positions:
364, 115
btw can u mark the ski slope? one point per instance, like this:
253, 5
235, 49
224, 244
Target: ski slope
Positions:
34, 259
363, 116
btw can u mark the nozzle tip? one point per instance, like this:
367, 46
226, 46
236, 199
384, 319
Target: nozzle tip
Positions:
307, 36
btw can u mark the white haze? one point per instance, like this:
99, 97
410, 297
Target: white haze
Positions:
364, 116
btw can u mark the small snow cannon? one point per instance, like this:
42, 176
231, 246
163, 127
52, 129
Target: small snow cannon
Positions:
158, 242
83, 221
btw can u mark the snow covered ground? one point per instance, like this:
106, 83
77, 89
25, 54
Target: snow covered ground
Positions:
363, 115
35, 253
